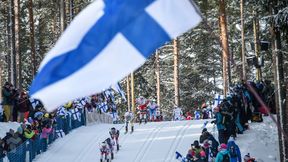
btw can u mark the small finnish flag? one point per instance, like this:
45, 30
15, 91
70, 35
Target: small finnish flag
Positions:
107, 41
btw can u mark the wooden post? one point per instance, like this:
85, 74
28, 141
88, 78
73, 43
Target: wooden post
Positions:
225, 45
176, 81
243, 41
157, 72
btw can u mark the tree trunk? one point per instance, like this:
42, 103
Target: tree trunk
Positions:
256, 44
62, 16
32, 38
176, 75
55, 29
8, 39
128, 93
274, 53
71, 10
132, 94
243, 41
225, 46
17, 44
13, 51
281, 91
157, 72
1, 72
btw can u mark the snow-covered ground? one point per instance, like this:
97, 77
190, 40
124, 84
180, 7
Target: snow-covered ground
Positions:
5, 127
156, 142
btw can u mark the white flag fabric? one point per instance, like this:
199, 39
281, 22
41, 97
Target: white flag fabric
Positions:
106, 41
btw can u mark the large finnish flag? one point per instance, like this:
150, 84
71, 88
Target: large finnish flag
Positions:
105, 42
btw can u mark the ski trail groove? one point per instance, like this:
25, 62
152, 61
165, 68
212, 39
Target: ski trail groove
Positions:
89, 147
175, 143
140, 154
151, 142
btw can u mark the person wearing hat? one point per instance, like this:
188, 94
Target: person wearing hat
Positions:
223, 154
234, 150
23, 107
208, 136
209, 151
7, 101
196, 153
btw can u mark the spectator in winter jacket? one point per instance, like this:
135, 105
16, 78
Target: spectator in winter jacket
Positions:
29, 133
222, 131
234, 151
14, 141
44, 137
23, 107
209, 151
208, 136
2, 154
7, 101
196, 153
7, 136
223, 154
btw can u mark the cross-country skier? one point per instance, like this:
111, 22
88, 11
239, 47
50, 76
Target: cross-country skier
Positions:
177, 113
152, 109
105, 152
142, 107
114, 134
110, 144
129, 119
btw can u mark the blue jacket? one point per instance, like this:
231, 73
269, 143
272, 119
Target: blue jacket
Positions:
219, 120
220, 155
238, 158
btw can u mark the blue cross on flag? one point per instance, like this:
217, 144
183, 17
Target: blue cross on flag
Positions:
105, 42
217, 100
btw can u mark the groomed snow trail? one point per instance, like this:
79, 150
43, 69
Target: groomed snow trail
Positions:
151, 142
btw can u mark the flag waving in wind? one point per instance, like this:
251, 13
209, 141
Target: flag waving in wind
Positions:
105, 42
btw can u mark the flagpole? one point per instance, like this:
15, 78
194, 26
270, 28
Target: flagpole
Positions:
132, 93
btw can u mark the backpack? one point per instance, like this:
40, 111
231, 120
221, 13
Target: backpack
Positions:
226, 158
232, 152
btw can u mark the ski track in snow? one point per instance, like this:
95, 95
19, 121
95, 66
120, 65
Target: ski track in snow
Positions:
175, 143
153, 142
149, 140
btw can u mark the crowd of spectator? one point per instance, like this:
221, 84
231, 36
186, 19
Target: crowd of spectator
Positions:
40, 127
232, 116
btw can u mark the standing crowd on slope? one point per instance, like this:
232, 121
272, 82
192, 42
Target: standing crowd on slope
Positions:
38, 125
231, 118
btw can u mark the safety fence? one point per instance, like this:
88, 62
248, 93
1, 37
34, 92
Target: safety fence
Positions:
30, 148
96, 117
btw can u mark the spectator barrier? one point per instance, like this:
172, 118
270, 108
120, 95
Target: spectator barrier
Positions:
96, 117
30, 148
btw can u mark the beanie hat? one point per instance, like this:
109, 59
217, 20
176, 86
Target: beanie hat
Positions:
223, 146
196, 143
204, 130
